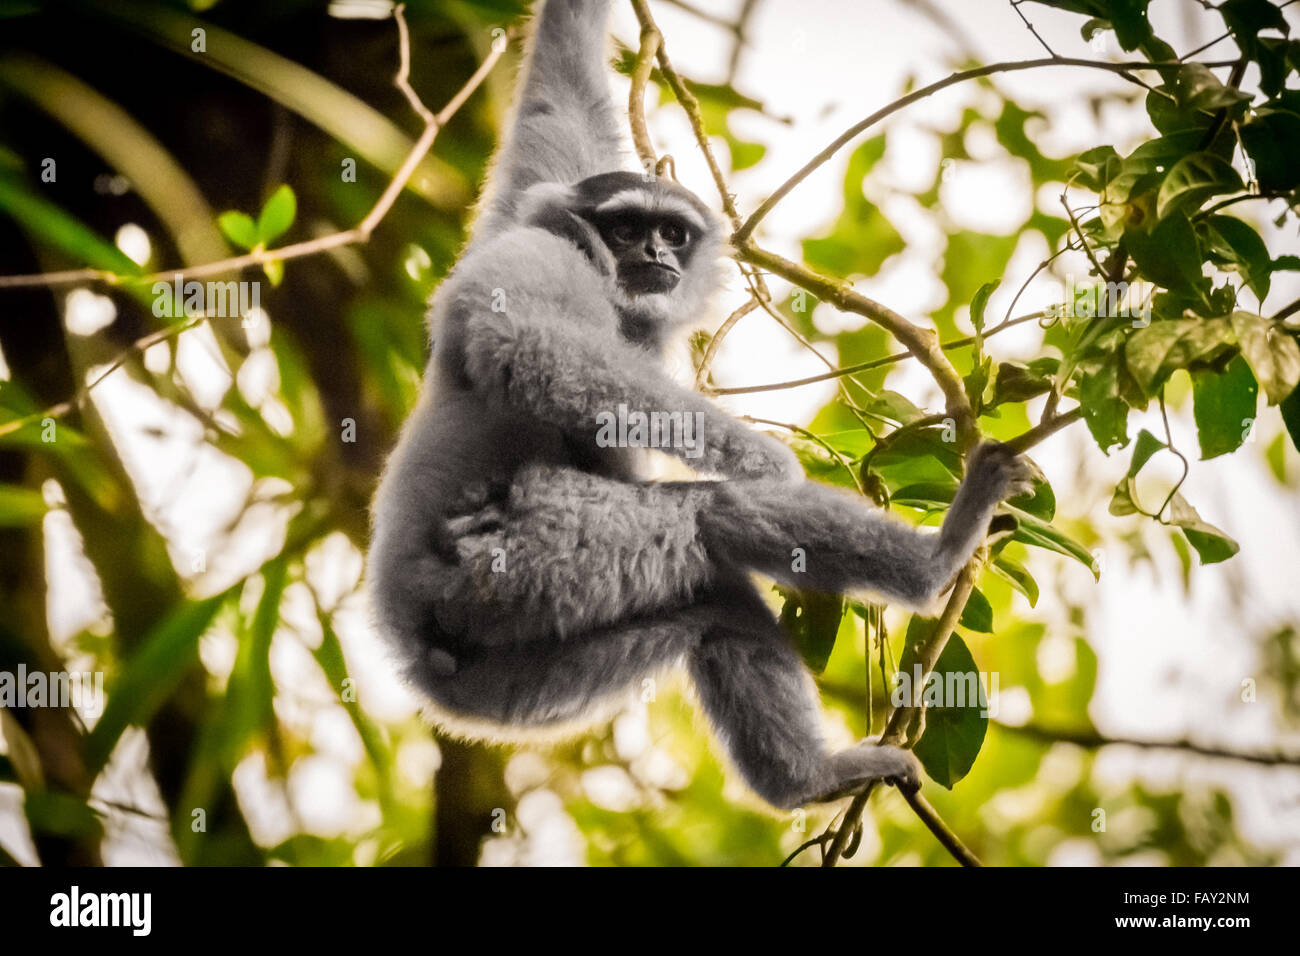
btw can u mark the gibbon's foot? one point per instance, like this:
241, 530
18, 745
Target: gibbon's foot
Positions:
854, 768
1000, 468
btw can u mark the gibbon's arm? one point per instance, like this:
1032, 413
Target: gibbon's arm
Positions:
568, 376
565, 127
553, 353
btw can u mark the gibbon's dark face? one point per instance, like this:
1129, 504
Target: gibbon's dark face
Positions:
651, 227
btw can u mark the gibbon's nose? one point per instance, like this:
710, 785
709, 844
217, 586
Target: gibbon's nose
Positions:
658, 253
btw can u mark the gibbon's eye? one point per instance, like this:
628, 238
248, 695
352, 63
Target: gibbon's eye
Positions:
623, 232
673, 233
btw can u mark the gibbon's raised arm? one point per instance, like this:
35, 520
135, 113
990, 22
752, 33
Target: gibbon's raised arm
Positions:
565, 127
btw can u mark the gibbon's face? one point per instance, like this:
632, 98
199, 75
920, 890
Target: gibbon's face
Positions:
651, 250
652, 228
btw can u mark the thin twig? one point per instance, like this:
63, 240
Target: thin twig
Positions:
692, 107
1045, 429
1015, 5
706, 363
930, 817
1093, 740
874, 363
1009, 66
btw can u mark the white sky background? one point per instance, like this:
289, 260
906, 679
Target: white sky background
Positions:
1170, 664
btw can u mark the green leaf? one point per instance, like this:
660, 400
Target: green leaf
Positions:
277, 215
1224, 406
1154, 353
1210, 543
956, 716
274, 269
164, 658
57, 812
1193, 179
813, 621
1237, 245
861, 238
925, 495
250, 691
980, 302
329, 655
239, 228
1124, 499
1147, 445
1272, 56
891, 405
1272, 353
1040, 502
977, 615
1104, 412
1038, 533
1168, 255
1272, 140
1096, 166
1246, 18
1019, 383
1015, 574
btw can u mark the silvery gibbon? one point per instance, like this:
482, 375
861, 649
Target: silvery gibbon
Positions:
527, 576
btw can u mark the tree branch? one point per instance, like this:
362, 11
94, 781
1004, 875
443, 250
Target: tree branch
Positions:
930, 817
920, 342
1092, 740
650, 40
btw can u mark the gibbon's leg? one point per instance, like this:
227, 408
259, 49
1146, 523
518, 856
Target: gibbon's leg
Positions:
764, 708
844, 545
753, 687
538, 683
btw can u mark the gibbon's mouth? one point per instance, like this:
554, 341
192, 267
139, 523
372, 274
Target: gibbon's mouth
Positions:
650, 277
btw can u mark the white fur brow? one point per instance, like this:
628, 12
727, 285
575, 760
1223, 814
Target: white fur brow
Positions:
639, 199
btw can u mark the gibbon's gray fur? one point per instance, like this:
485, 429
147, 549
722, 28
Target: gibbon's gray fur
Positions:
526, 577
